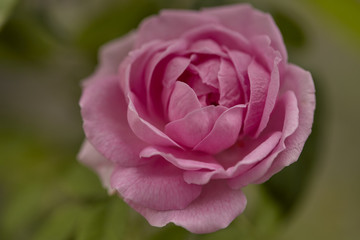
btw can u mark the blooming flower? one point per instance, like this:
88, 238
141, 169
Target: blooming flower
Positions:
184, 112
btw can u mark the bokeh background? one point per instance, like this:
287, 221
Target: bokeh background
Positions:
48, 46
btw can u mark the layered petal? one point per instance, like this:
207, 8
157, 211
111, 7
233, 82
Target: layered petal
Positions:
286, 113
183, 100
90, 157
186, 160
224, 133
237, 159
143, 129
214, 209
191, 129
249, 22
229, 85
103, 109
300, 82
111, 56
156, 185
166, 25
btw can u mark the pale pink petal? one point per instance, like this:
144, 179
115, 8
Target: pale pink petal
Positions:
237, 159
229, 85
186, 160
301, 83
215, 209
221, 35
136, 68
195, 82
191, 129
157, 185
249, 22
206, 46
241, 62
224, 133
159, 74
259, 81
173, 69
265, 54
144, 130
286, 113
208, 71
166, 25
103, 109
111, 55
183, 100
271, 97
90, 157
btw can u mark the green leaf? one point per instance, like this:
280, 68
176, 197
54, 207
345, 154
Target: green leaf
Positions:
5, 9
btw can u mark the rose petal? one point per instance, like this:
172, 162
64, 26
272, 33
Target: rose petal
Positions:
241, 62
111, 55
259, 81
225, 37
105, 124
159, 73
206, 46
287, 113
166, 25
301, 83
157, 185
215, 209
224, 133
237, 160
249, 22
144, 129
271, 96
191, 129
90, 157
185, 160
229, 85
183, 100
208, 71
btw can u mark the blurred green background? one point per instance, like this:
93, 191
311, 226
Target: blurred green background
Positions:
48, 46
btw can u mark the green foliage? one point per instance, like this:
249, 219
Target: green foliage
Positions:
5, 10
117, 20
292, 32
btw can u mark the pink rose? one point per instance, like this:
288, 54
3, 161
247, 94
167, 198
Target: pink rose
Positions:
191, 107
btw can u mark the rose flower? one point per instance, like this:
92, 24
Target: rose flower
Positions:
185, 111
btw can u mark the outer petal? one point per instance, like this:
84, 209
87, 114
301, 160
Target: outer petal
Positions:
111, 55
287, 114
93, 159
103, 109
166, 25
299, 81
215, 209
249, 22
157, 185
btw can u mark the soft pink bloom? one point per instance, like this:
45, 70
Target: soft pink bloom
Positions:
191, 107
